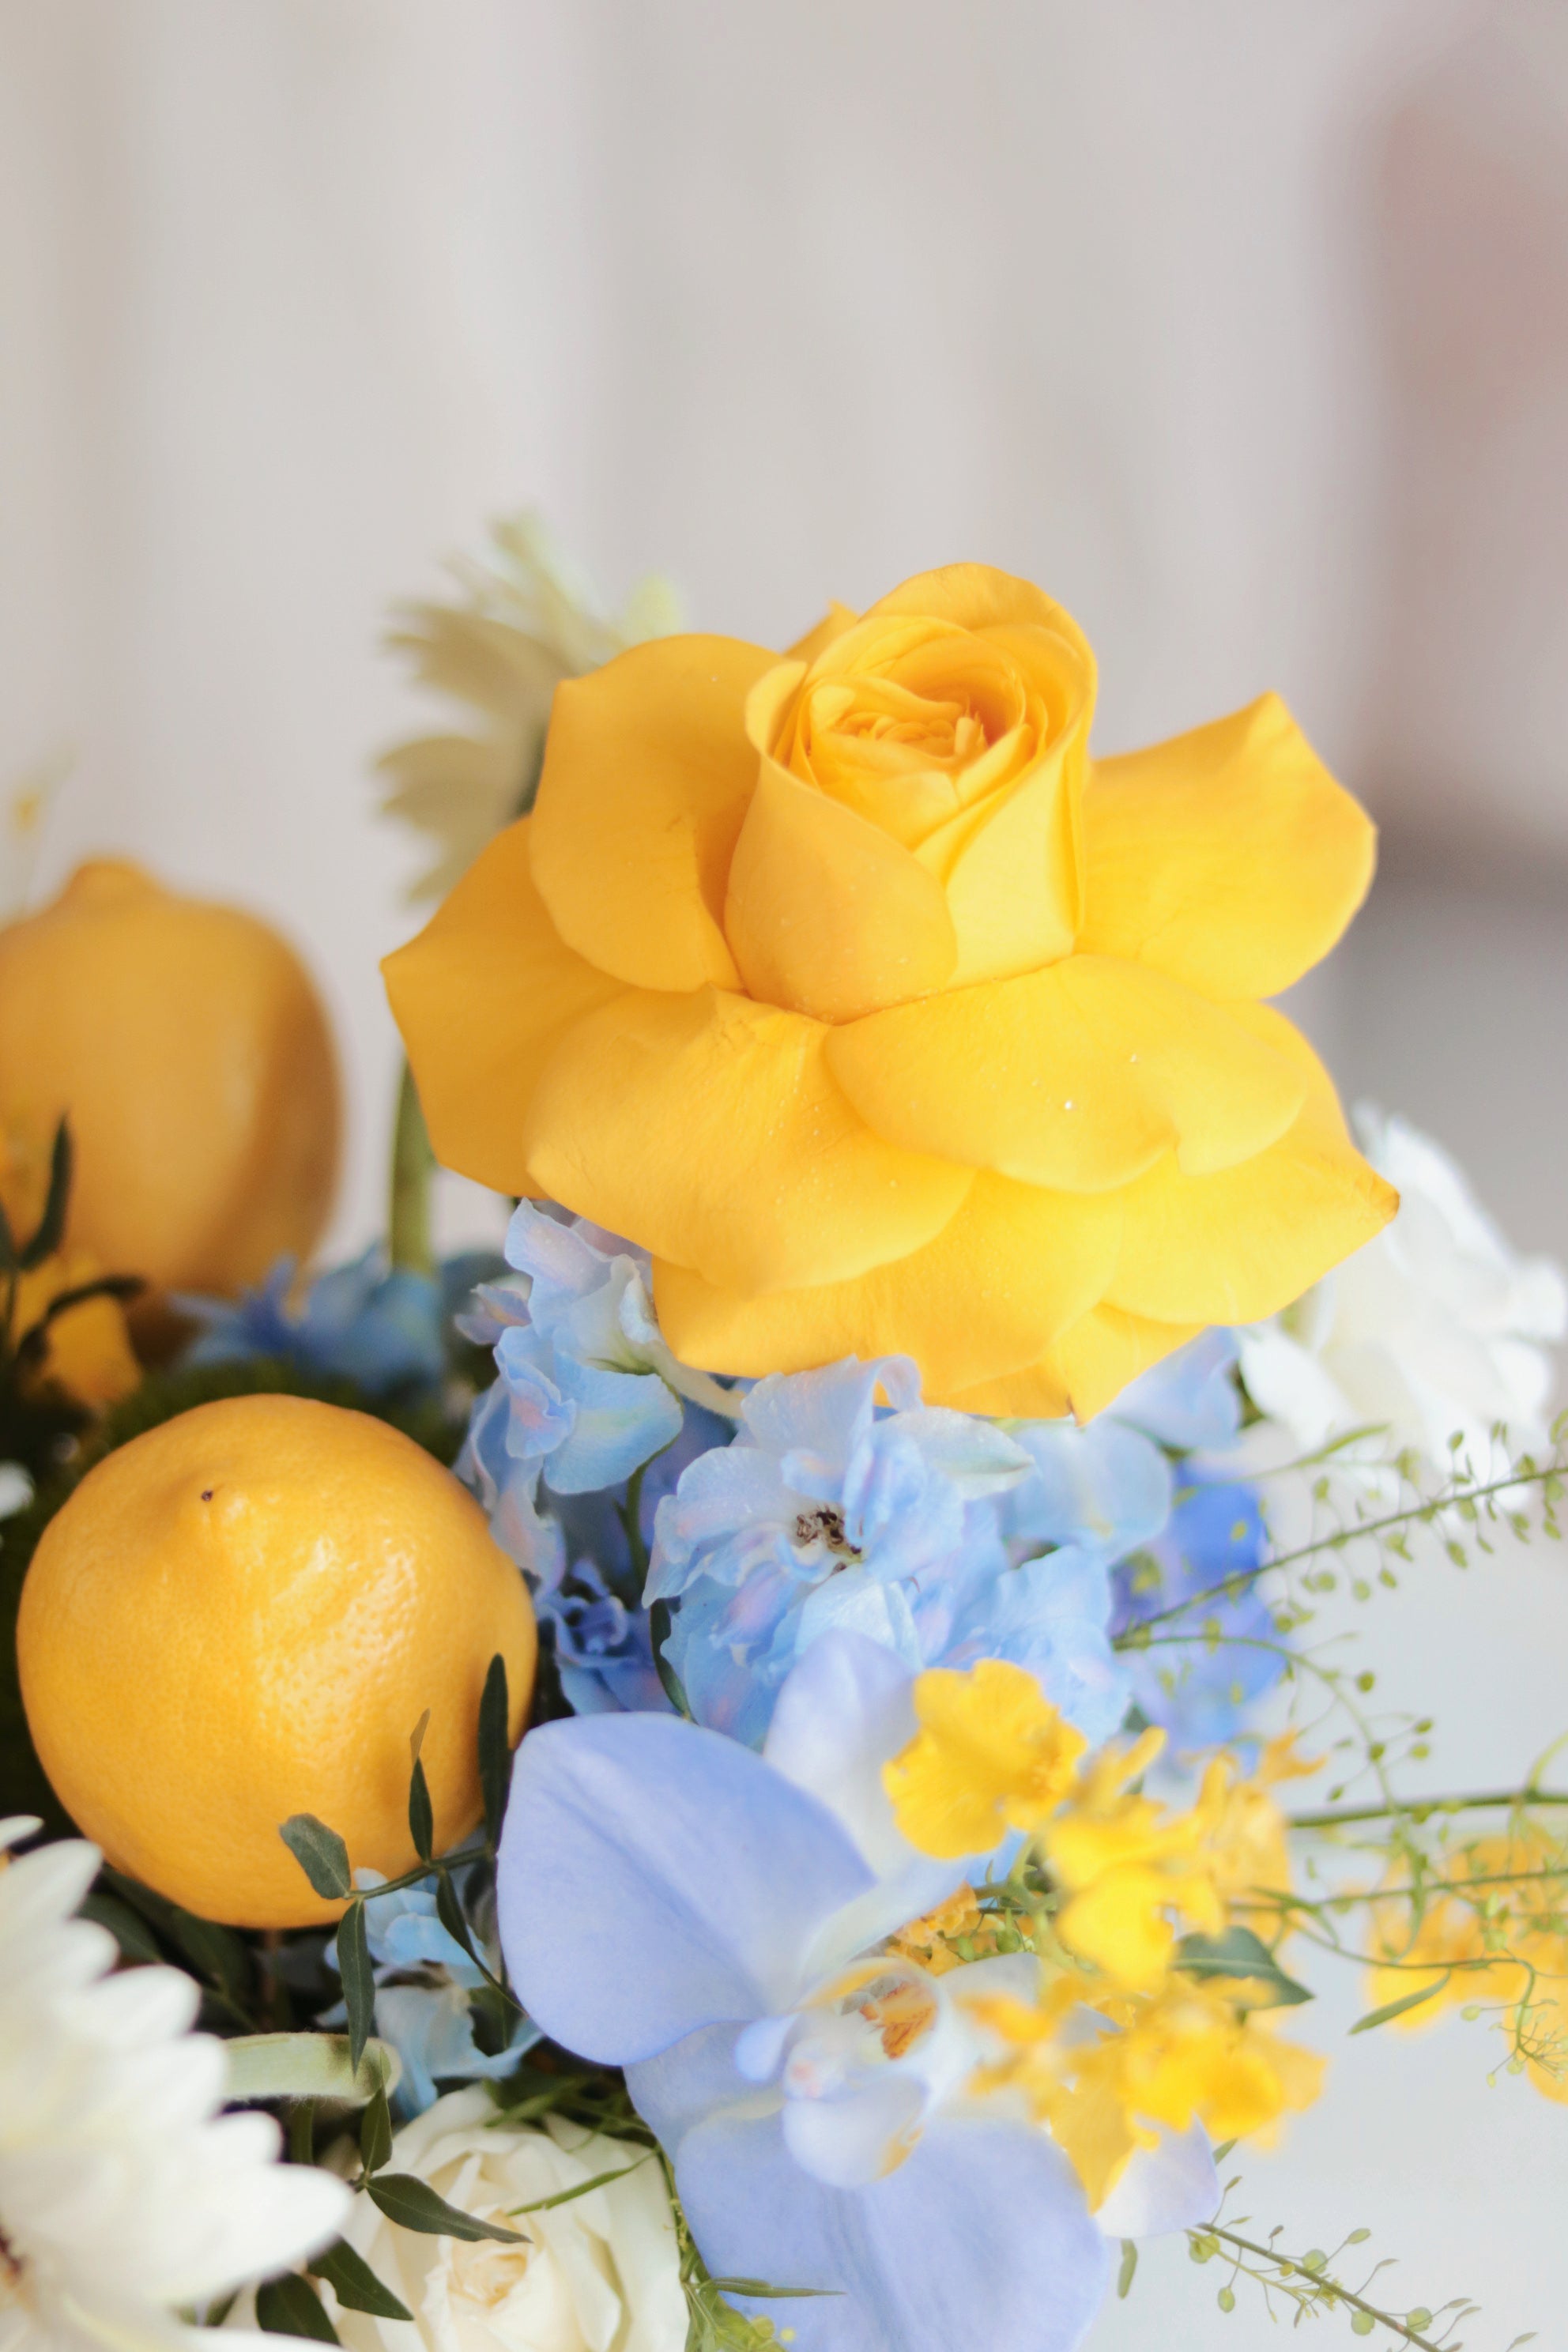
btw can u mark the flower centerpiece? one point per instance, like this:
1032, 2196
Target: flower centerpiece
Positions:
799, 1850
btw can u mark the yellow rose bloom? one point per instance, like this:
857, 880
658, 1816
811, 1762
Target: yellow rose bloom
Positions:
850, 988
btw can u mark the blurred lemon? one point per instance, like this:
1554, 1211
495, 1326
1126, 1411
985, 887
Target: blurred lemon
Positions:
191, 1053
242, 1615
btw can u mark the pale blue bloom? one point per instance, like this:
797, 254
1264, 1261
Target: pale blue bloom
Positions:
588, 1389
1214, 1660
380, 1327
1122, 1498
423, 1981
675, 1903
830, 1512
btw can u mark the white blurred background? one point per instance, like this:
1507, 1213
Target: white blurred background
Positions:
1241, 325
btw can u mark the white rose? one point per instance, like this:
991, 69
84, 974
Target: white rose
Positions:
1433, 1328
599, 2274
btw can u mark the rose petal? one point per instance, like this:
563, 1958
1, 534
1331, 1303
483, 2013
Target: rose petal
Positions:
1086, 1370
825, 913
1015, 1267
1227, 858
1078, 1077
708, 1130
647, 776
1241, 1244
483, 996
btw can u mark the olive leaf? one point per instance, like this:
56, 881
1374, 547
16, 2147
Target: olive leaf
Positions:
359, 1980
321, 1855
290, 2306
413, 2204
356, 2285
1241, 1955
495, 1755
51, 1228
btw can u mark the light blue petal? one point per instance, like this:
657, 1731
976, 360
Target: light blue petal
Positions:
682, 2086
721, 1497
848, 2142
846, 1708
1190, 1401
977, 1454
982, 2238
1030, 1616
1106, 1486
622, 1420
431, 2028
561, 1262
539, 1418
686, 1882
1172, 2187
855, 1602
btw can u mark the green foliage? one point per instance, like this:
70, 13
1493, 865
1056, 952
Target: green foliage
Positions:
1240, 1956
375, 2134
356, 2285
358, 1976
413, 2204
1311, 2285
321, 1855
495, 1754
568, 2196
290, 2306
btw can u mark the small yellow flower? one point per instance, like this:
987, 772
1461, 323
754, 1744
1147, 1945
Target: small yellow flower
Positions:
1181, 2056
992, 1755
1126, 1864
1244, 1835
932, 1942
1499, 1939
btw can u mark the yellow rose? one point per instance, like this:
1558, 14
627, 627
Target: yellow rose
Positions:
849, 986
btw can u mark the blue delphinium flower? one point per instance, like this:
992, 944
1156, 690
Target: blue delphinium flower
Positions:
718, 1925
587, 1574
424, 1981
1214, 1660
589, 1423
1127, 1497
588, 1390
827, 1511
379, 1325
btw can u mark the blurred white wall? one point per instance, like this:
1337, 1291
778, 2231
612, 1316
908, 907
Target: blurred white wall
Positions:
1242, 328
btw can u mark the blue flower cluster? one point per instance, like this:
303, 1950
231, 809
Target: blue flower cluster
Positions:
740, 1524
424, 1984
382, 1326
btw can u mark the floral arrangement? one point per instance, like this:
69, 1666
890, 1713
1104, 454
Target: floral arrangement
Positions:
731, 1776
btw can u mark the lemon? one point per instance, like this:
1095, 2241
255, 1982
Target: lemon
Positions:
243, 1614
190, 1051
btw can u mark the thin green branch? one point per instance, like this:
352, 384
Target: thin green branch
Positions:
1421, 1809
1237, 1581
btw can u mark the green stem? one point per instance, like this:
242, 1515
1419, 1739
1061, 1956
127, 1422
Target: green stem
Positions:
1420, 1808
412, 1166
631, 1520
1287, 2263
1230, 1587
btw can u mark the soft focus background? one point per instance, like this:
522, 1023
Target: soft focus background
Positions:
1242, 328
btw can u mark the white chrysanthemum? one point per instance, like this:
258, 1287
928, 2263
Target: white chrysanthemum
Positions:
522, 627
124, 2193
1436, 1328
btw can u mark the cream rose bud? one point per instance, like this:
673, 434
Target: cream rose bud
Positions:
600, 2274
